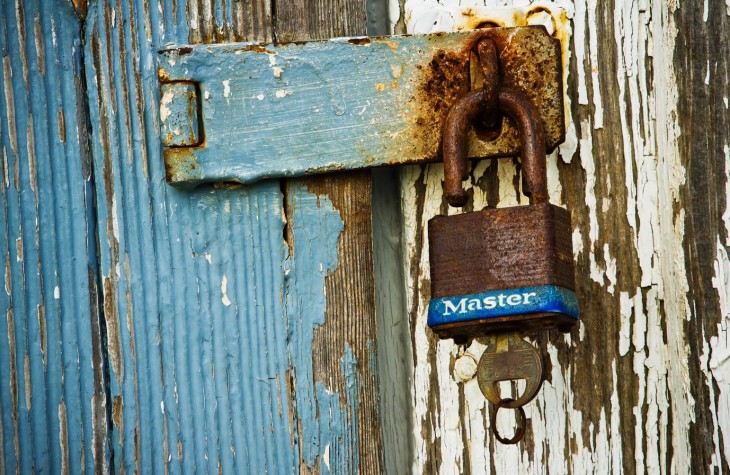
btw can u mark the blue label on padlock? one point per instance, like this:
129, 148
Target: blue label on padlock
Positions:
502, 303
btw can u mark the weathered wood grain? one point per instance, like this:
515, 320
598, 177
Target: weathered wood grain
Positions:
702, 64
319, 19
394, 346
219, 360
344, 348
220, 21
196, 330
52, 399
641, 386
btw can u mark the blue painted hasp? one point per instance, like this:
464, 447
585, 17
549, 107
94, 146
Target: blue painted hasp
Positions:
502, 303
243, 112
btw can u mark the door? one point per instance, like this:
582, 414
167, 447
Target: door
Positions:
280, 327
151, 329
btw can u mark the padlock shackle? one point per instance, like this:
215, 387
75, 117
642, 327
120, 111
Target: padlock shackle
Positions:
532, 144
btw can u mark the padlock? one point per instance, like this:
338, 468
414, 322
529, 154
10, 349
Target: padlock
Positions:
500, 269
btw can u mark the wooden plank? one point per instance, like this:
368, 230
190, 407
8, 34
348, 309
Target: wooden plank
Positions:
193, 281
335, 385
330, 307
701, 138
395, 358
642, 386
294, 109
52, 399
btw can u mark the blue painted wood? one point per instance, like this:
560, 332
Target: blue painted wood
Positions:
330, 431
204, 350
192, 281
51, 369
201, 346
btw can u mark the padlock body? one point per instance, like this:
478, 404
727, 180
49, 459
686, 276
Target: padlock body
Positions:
502, 269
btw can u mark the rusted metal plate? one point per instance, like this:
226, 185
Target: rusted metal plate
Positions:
295, 109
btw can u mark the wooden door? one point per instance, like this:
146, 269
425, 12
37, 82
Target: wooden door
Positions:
280, 327
151, 329
641, 387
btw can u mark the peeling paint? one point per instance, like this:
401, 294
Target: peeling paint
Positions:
165, 104
627, 241
224, 286
48, 341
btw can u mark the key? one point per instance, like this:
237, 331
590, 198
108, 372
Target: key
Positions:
507, 358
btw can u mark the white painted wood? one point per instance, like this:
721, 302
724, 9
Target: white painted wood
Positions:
619, 395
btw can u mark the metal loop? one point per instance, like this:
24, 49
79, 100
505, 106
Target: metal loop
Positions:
491, 82
521, 422
532, 139
456, 141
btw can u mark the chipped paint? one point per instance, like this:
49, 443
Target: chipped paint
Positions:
326, 426
628, 242
224, 290
49, 341
165, 104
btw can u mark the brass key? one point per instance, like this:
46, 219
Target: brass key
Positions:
507, 358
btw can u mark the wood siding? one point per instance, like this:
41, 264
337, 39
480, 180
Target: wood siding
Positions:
231, 329
641, 386
227, 354
52, 395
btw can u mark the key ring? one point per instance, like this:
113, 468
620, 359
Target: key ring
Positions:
521, 422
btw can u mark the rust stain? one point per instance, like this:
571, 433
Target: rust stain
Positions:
81, 7
391, 44
162, 75
360, 41
442, 82
181, 164
529, 63
257, 48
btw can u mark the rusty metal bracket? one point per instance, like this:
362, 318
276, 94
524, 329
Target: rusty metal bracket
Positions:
243, 112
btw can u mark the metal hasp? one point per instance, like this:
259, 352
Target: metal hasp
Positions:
244, 112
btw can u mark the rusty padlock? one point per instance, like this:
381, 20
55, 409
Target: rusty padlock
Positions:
500, 269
